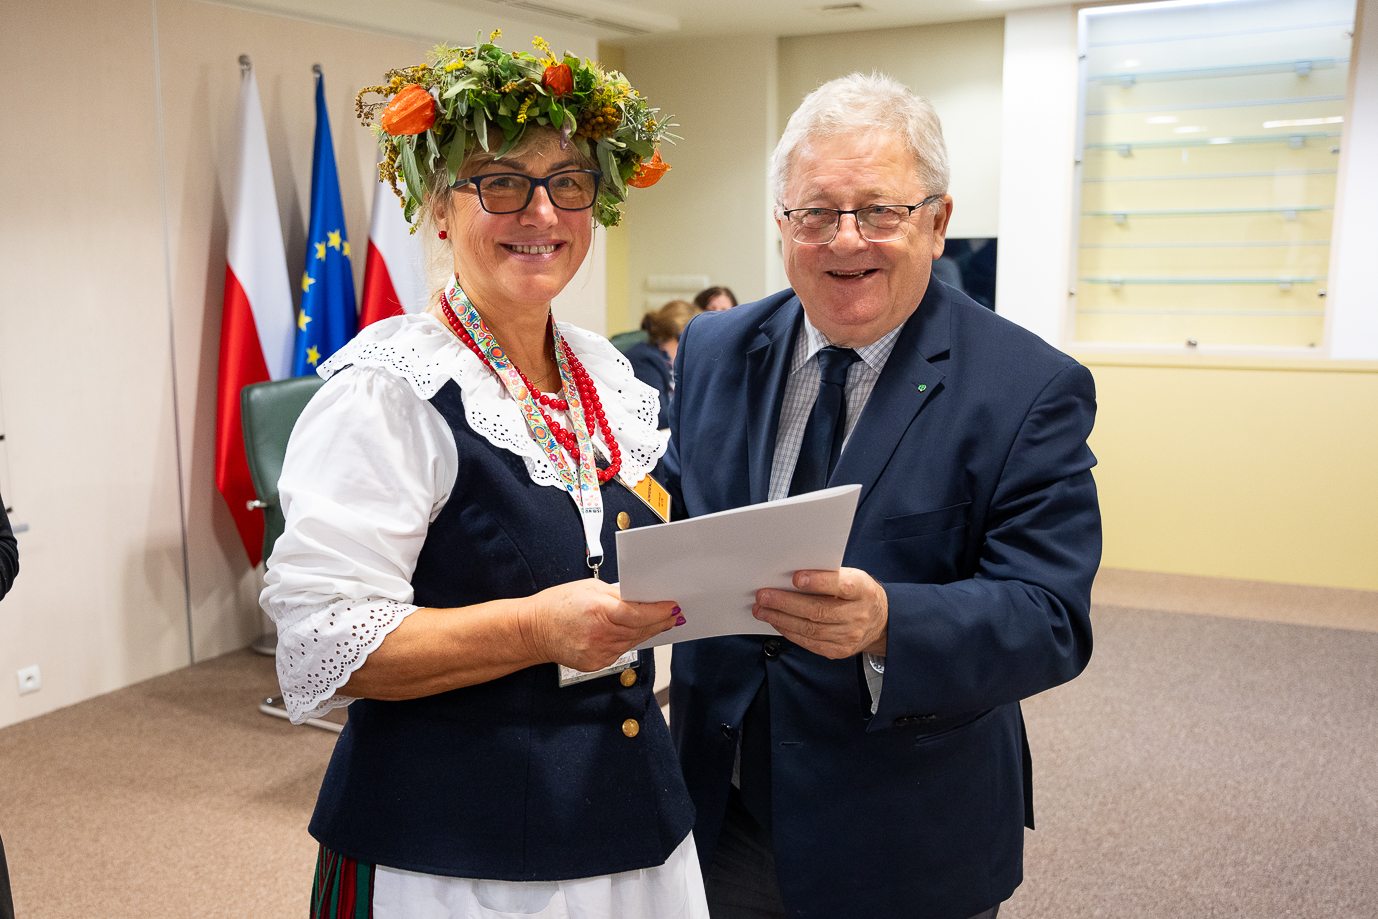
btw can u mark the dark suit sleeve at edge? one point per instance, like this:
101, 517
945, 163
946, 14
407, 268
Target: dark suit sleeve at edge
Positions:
1022, 623
669, 463
9, 552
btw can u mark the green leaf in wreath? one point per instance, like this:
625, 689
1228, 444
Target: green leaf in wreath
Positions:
407, 156
610, 170
454, 154
507, 145
481, 126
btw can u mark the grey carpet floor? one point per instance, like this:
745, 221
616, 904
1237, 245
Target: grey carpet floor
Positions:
1207, 767
1201, 767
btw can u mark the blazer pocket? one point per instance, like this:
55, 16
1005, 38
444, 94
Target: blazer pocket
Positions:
926, 523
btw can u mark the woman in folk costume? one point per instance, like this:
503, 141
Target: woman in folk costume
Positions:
451, 496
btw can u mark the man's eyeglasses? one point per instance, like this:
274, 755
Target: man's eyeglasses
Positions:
879, 223
510, 192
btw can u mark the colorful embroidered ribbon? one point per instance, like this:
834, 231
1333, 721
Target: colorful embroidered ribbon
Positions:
582, 482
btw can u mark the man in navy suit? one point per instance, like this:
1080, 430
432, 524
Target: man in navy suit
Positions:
871, 760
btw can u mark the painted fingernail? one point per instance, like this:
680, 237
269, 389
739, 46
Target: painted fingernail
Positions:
675, 610
680, 621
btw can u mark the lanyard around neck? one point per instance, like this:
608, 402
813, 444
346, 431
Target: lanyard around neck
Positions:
579, 480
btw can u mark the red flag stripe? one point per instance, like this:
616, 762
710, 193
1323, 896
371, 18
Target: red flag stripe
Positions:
241, 363
380, 297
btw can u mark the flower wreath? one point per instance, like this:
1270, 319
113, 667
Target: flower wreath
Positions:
435, 114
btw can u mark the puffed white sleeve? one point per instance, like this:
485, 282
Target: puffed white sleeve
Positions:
369, 465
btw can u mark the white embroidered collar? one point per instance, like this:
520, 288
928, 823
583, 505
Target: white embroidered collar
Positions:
421, 350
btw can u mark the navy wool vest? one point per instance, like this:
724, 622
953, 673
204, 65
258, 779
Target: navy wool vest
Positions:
515, 779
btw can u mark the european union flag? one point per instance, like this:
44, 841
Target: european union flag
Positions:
328, 316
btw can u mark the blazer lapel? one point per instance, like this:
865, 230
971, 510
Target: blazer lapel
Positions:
907, 382
767, 365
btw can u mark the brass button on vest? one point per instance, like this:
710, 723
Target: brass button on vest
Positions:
630, 727
628, 677
624, 520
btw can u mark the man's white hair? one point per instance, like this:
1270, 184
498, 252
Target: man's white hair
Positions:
858, 104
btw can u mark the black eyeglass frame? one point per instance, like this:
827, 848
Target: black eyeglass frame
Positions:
534, 184
837, 223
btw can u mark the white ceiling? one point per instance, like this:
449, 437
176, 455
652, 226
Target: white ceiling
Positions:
761, 17
631, 21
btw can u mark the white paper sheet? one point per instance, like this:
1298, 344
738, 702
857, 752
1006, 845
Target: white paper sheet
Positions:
713, 565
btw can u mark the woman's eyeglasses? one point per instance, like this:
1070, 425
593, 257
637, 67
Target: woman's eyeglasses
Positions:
510, 192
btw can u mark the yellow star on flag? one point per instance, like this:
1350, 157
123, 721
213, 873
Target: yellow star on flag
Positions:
334, 239
346, 248
307, 281
302, 320
320, 251
312, 355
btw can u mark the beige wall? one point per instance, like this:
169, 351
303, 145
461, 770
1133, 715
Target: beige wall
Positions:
95, 427
619, 314
100, 601
709, 214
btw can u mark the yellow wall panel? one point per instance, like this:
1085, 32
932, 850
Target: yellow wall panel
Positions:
1256, 470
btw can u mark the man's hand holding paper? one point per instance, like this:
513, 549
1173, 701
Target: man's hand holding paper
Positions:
718, 565
837, 613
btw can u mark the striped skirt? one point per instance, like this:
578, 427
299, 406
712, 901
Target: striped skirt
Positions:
343, 888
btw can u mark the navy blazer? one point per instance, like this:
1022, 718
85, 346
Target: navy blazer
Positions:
978, 515
9, 552
652, 367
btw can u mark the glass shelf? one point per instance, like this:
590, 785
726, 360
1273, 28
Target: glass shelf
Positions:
1301, 66
1201, 106
1126, 146
1280, 282
1251, 244
1168, 312
1199, 211
1269, 174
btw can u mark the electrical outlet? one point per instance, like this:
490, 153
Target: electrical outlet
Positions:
29, 680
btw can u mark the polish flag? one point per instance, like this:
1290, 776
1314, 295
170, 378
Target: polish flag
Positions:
394, 276
256, 325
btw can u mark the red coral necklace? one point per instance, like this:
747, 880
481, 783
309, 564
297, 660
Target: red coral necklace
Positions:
593, 407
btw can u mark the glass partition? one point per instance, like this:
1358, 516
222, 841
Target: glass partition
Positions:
1209, 142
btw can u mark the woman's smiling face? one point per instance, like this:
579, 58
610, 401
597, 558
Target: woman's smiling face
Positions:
522, 259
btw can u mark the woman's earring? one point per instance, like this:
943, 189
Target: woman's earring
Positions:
443, 234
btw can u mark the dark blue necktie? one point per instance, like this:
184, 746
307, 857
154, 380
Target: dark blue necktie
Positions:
823, 436
827, 426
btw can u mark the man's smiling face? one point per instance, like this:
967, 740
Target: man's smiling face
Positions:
854, 290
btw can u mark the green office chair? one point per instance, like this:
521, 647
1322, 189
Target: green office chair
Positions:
624, 340
268, 412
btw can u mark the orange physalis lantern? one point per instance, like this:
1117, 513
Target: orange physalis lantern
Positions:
558, 79
647, 174
411, 111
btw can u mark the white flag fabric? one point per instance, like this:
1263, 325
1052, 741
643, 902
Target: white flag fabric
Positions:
256, 325
394, 274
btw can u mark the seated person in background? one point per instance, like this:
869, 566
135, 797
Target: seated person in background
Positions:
653, 359
715, 299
